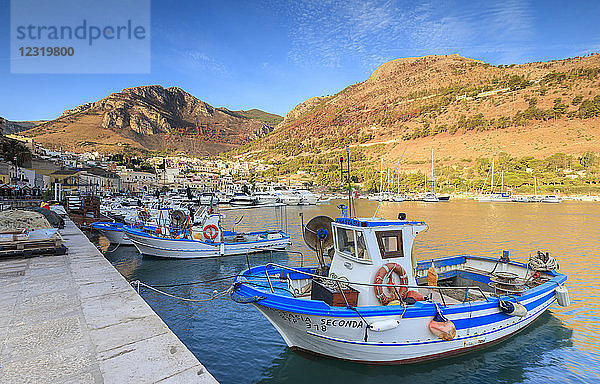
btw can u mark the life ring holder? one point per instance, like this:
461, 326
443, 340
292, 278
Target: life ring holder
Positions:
210, 231
388, 271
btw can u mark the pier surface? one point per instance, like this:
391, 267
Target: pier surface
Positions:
75, 319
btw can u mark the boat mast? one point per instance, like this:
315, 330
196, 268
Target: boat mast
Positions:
492, 182
432, 179
381, 177
502, 189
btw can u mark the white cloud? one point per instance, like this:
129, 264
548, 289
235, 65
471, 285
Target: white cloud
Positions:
199, 61
331, 32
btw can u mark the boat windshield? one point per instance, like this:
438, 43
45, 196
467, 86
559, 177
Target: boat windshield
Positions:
352, 243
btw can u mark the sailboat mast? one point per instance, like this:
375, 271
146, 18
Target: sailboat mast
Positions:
432, 178
492, 182
502, 189
381, 176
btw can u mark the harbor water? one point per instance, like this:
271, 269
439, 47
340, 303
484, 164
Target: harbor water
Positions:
238, 345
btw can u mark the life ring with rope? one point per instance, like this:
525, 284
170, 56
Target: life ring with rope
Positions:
210, 231
387, 271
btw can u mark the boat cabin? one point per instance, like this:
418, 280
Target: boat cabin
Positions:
364, 245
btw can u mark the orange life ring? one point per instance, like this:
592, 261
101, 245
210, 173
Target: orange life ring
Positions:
387, 271
210, 231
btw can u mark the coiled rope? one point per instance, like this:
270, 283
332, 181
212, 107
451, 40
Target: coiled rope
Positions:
542, 262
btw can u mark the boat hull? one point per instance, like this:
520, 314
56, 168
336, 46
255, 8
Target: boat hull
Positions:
187, 249
344, 337
113, 232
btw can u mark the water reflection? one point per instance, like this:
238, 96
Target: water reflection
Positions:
237, 344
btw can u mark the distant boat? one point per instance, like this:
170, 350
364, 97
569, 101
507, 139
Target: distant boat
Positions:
430, 198
522, 199
307, 197
243, 199
267, 198
550, 199
208, 198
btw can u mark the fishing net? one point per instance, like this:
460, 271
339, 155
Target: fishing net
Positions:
19, 220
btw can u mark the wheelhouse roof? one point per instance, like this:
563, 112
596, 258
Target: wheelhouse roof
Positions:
369, 222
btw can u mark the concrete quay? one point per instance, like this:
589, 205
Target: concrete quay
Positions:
75, 319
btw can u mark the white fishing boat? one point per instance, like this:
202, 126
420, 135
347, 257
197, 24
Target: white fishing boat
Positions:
374, 303
205, 239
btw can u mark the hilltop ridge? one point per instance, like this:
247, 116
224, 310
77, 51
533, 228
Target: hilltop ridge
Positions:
443, 97
149, 118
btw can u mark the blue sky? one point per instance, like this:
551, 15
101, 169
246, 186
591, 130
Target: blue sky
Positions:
273, 55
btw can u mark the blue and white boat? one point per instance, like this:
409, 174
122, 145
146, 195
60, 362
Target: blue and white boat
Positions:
112, 231
204, 239
374, 303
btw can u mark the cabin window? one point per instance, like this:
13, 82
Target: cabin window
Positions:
390, 244
361, 246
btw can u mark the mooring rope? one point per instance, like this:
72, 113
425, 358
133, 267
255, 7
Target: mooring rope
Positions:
204, 281
214, 295
111, 251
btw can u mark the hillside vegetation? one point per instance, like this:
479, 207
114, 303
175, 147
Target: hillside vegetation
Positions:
465, 110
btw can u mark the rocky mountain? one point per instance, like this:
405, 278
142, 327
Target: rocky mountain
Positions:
8, 127
149, 118
460, 107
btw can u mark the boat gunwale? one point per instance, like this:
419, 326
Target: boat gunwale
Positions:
419, 309
215, 244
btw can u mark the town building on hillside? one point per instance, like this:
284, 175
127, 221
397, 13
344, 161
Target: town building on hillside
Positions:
96, 180
167, 175
67, 178
137, 181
